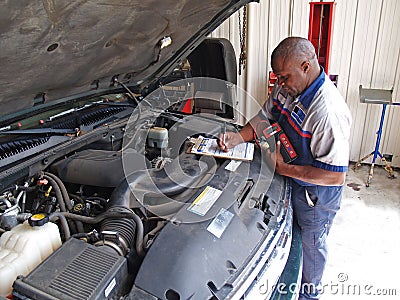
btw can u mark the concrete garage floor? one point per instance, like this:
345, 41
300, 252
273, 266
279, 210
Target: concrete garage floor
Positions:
364, 242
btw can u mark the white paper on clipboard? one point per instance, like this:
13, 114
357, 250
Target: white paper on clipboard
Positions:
208, 146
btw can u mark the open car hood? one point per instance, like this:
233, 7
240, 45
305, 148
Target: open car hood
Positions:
55, 49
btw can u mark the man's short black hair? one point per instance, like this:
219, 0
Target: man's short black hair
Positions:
294, 47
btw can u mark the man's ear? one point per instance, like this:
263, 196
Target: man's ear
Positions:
306, 66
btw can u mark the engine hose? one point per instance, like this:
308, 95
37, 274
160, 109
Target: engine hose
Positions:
80, 235
57, 190
64, 224
114, 213
65, 197
63, 190
26, 188
59, 195
126, 229
160, 225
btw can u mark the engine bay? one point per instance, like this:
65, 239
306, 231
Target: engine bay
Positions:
105, 210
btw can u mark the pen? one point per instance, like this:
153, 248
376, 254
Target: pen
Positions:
224, 132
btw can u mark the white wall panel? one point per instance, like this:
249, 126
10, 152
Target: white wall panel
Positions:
387, 73
300, 18
361, 68
342, 42
365, 50
256, 68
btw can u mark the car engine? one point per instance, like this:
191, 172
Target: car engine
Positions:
103, 212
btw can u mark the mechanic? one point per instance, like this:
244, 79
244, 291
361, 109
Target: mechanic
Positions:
317, 121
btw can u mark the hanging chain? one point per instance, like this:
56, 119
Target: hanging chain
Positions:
242, 39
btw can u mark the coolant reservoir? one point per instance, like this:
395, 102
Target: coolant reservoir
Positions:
23, 248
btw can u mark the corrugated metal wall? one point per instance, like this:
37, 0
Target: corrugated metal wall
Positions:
365, 50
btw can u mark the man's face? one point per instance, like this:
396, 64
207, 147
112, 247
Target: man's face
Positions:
292, 74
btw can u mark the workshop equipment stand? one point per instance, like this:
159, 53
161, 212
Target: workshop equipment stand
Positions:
376, 153
384, 97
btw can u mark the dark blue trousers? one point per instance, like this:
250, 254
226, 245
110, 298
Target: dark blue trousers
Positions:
315, 208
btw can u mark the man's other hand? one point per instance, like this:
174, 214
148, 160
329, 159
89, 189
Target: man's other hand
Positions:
276, 159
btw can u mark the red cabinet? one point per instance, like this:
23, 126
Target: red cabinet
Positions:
320, 30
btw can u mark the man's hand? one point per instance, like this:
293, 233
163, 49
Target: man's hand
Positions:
276, 158
229, 140
279, 162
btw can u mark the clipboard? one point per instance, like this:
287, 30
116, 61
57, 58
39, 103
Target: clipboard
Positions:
209, 146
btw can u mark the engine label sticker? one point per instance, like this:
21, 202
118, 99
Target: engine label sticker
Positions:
233, 165
110, 287
220, 222
202, 204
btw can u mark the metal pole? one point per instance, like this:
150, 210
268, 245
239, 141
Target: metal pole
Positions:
379, 133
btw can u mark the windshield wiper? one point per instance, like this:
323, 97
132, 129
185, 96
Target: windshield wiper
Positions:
92, 104
72, 110
40, 131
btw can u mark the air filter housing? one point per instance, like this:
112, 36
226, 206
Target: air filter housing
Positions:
77, 270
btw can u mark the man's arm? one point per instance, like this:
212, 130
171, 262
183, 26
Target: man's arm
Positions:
308, 174
247, 131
